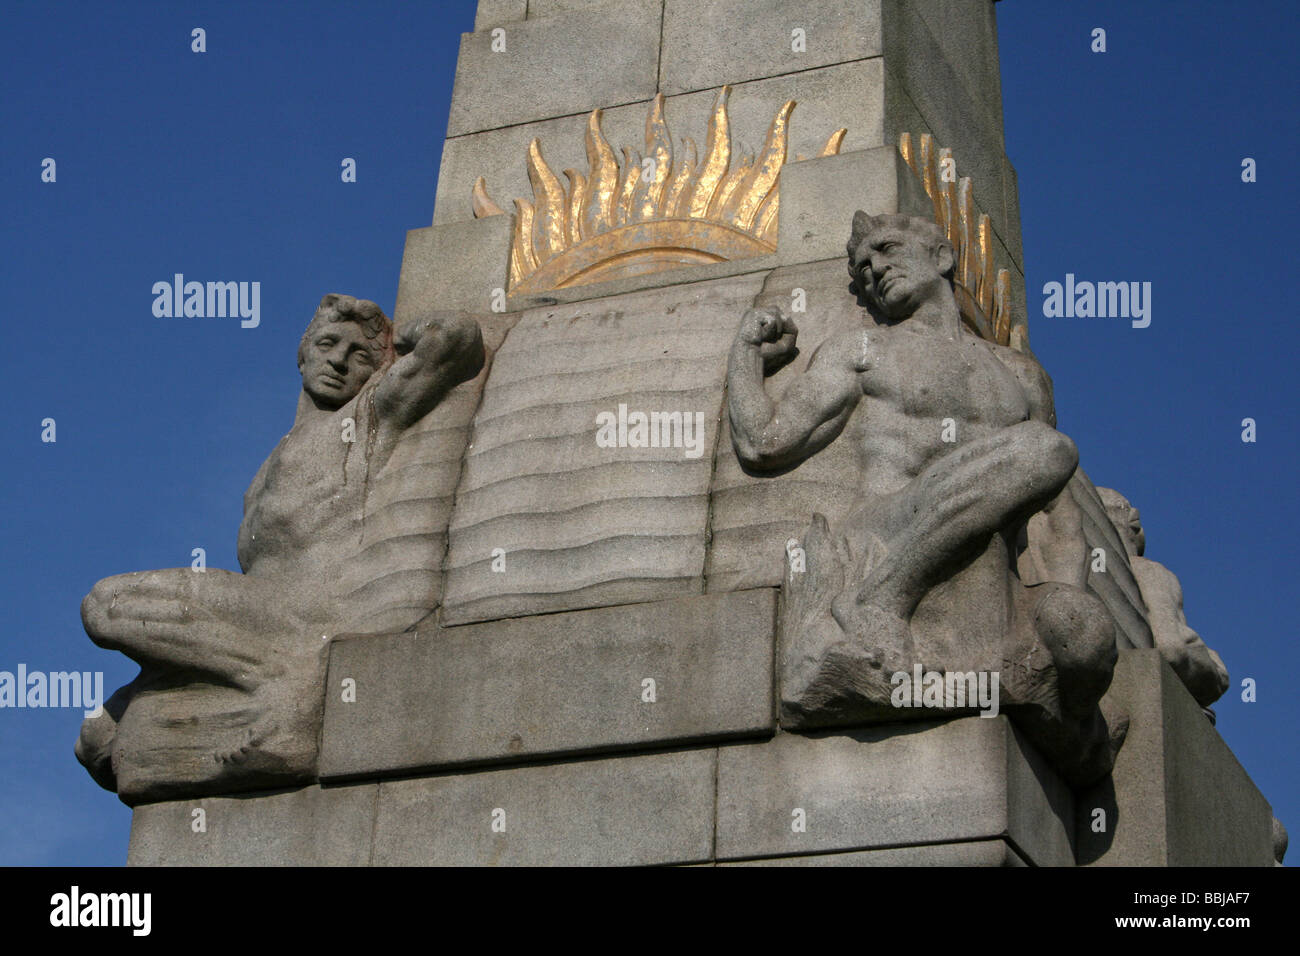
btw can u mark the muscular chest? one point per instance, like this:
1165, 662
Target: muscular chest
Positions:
929, 377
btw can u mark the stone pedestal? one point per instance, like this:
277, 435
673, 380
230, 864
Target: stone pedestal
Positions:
458, 760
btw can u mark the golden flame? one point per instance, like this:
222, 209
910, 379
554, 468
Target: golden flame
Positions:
643, 215
983, 297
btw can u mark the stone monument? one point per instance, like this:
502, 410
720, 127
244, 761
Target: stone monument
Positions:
646, 535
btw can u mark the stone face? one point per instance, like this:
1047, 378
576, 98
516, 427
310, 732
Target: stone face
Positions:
702, 48
847, 95
551, 684
1177, 796
556, 66
651, 809
583, 525
865, 789
313, 826
974, 853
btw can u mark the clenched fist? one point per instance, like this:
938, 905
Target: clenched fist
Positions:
773, 332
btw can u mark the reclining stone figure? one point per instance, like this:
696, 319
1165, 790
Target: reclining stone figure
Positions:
229, 695
957, 450
1199, 668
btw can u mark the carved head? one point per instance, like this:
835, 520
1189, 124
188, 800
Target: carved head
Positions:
345, 342
899, 262
1126, 519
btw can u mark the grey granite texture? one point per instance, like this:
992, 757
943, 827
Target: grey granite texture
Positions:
583, 524
556, 66
703, 49
649, 809
957, 462
311, 826
552, 684
973, 853
965, 779
1199, 668
333, 539
849, 95
499, 13
460, 265
1176, 796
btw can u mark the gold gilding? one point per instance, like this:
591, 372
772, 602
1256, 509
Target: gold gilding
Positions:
636, 217
983, 297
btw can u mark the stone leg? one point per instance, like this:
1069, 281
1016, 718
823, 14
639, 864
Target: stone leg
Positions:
229, 690
212, 622
947, 514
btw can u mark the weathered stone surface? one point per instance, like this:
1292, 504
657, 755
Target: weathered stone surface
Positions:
313, 826
702, 48
551, 8
582, 525
949, 108
342, 531
459, 265
1116, 586
497, 13
846, 95
1177, 795
815, 193
1010, 234
556, 66
974, 853
648, 809
966, 33
967, 779
1199, 668
757, 266
753, 516
556, 683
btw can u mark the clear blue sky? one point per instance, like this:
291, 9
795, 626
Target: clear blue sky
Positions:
226, 166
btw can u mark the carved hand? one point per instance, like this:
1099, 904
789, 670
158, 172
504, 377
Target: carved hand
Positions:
773, 332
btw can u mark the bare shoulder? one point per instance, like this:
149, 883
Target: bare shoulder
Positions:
1033, 378
847, 350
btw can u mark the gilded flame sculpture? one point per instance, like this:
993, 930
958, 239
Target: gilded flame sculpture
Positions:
646, 214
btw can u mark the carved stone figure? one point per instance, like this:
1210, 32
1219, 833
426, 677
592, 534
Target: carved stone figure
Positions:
958, 453
229, 694
1199, 668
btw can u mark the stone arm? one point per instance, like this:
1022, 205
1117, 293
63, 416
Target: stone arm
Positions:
812, 412
435, 354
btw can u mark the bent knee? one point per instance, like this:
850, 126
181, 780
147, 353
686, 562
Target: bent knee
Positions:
1054, 453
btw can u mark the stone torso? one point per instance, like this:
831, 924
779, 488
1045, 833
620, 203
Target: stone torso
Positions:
912, 382
305, 505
